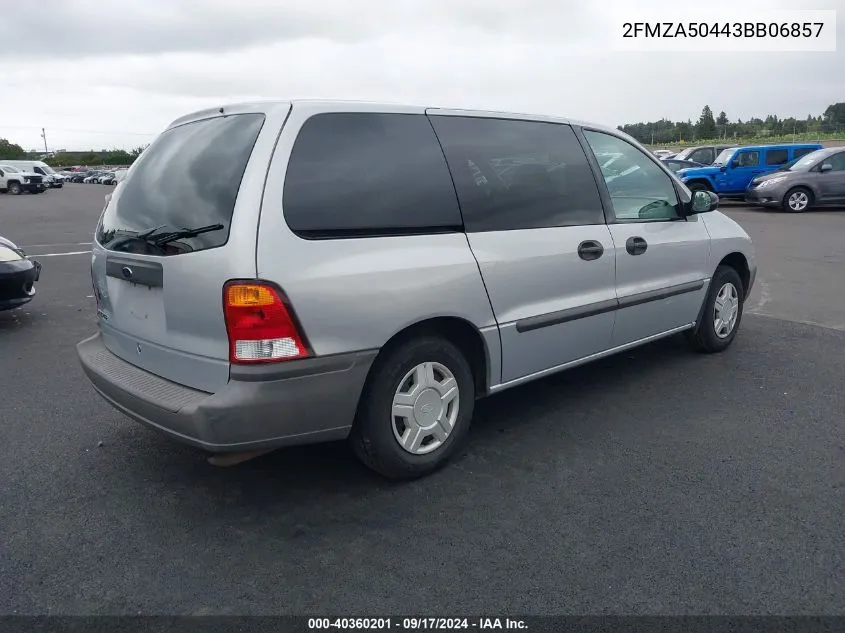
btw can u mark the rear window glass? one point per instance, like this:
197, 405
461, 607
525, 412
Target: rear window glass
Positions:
777, 156
187, 179
357, 174
703, 156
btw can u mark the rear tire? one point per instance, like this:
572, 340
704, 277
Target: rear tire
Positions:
797, 200
719, 325
407, 401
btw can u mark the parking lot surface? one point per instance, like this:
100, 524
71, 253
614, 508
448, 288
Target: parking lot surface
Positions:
658, 481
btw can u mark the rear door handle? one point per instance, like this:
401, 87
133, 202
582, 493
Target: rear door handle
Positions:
590, 250
636, 245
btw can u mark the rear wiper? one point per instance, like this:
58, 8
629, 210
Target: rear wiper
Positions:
170, 236
147, 233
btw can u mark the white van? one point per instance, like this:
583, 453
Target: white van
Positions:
51, 177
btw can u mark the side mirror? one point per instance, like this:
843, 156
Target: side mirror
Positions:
703, 202
723, 168
825, 167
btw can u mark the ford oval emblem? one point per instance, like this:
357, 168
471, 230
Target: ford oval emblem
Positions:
427, 408
126, 272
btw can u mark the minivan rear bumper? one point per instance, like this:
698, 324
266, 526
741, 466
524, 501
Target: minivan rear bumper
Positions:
262, 407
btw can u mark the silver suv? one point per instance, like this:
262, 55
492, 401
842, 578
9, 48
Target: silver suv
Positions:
297, 272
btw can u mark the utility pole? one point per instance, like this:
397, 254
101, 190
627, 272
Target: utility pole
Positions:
44, 136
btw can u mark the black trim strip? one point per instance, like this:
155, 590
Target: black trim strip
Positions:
657, 295
387, 231
563, 316
600, 307
148, 274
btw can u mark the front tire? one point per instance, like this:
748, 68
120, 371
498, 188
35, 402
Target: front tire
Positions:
722, 312
14, 188
797, 200
416, 409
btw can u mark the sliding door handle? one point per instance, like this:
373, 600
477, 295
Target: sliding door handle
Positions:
590, 250
636, 246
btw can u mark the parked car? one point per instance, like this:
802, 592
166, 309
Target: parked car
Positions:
106, 179
15, 181
704, 154
663, 153
676, 165
18, 275
94, 177
82, 175
816, 179
49, 176
296, 272
735, 168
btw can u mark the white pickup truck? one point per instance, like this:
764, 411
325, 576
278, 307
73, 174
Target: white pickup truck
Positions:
50, 177
16, 181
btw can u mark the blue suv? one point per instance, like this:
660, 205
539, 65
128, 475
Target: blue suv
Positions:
733, 169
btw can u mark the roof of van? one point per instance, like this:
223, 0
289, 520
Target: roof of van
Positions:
343, 105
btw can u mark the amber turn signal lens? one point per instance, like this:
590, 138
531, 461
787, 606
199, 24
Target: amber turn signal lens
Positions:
247, 295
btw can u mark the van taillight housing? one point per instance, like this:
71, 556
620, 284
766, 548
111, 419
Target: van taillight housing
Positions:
260, 324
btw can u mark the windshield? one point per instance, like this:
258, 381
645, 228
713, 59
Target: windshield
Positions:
807, 161
47, 169
724, 157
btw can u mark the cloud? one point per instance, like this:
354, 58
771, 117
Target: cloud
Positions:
114, 75
79, 28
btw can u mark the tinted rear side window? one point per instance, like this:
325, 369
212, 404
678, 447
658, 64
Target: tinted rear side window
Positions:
188, 178
798, 153
777, 156
704, 156
513, 174
365, 174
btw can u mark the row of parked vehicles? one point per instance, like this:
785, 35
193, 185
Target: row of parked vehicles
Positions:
794, 176
32, 176
97, 177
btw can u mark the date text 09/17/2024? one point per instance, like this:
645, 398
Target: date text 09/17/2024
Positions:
415, 624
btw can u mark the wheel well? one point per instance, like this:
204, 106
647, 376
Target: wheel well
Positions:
461, 333
738, 262
802, 188
700, 181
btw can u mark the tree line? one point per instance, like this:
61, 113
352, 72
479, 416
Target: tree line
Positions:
711, 128
12, 151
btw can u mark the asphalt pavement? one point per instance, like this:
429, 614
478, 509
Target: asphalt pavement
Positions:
655, 482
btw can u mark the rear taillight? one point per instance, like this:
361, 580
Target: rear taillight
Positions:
260, 325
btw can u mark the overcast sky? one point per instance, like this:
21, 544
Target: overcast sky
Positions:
114, 74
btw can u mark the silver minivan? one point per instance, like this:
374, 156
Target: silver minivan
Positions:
293, 272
